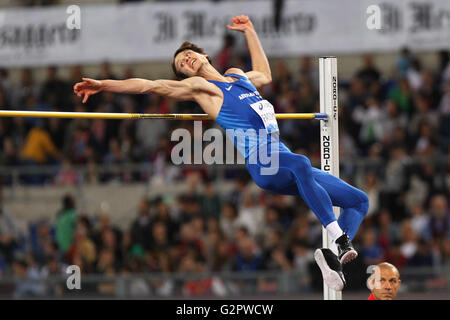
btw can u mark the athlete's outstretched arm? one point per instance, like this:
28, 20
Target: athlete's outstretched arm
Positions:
261, 74
179, 90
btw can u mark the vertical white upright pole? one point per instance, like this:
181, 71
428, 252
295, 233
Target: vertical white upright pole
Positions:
329, 140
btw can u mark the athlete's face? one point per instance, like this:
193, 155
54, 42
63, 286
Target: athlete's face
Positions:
190, 62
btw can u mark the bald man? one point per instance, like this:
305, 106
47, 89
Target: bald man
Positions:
384, 282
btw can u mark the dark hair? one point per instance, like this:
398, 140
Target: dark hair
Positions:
186, 46
229, 40
232, 206
4, 72
68, 202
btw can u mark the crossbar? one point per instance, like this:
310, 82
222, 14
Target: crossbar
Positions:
168, 116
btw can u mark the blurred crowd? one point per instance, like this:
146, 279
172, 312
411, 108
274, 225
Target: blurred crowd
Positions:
387, 118
394, 144
201, 234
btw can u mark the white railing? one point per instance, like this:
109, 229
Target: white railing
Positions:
216, 285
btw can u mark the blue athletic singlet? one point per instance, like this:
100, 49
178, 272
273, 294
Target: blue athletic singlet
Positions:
244, 110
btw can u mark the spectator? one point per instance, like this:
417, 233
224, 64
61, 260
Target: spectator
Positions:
110, 242
9, 233
38, 147
114, 158
82, 246
430, 90
396, 181
52, 269
438, 227
55, 92
408, 239
372, 190
56, 130
236, 195
213, 236
190, 208
278, 261
228, 222
26, 285
26, 87
306, 100
282, 75
300, 232
302, 259
210, 201
402, 95
164, 215
42, 240
444, 67
5, 83
9, 156
106, 262
248, 257
106, 71
160, 239
271, 222
99, 137
423, 114
443, 62
419, 219
423, 257
307, 73
141, 225
285, 97
415, 74
3, 97
65, 224
223, 256
388, 231
78, 147
195, 287
403, 62
371, 250
251, 215
67, 175
357, 94
149, 132
371, 120
425, 140
274, 239
190, 242
368, 73
393, 120
395, 255
384, 282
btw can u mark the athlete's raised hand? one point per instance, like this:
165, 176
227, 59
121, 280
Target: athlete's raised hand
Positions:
241, 23
87, 88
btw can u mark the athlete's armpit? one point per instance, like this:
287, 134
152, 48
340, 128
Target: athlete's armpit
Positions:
258, 78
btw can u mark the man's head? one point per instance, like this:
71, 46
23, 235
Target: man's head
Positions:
188, 60
384, 281
439, 206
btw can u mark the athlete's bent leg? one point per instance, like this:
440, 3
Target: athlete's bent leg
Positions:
354, 202
295, 177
